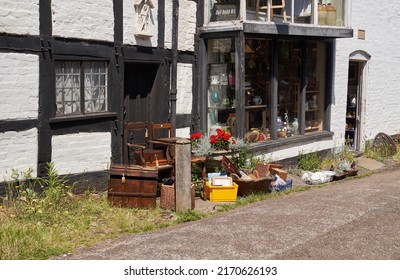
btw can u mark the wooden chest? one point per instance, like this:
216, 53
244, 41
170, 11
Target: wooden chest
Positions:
132, 186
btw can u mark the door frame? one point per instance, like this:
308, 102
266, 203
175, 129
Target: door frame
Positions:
361, 58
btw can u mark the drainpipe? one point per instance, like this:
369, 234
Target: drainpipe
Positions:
174, 66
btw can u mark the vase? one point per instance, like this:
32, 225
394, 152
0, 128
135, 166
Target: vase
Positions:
215, 96
295, 126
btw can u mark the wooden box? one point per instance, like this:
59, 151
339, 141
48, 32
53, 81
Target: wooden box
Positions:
132, 186
280, 172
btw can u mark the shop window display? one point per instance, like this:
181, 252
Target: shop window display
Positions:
221, 85
257, 86
298, 96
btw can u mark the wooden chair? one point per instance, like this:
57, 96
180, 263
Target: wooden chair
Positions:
273, 6
161, 130
138, 150
162, 137
164, 133
135, 139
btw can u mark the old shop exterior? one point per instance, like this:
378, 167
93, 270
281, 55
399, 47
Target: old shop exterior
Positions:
229, 57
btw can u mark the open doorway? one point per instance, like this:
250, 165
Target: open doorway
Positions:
354, 107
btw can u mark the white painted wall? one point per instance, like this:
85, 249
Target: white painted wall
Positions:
184, 84
87, 19
18, 150
187, 25
19, 17
19, 86
81, 152
383, 74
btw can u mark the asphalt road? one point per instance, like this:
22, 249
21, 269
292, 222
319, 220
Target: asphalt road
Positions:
353, 219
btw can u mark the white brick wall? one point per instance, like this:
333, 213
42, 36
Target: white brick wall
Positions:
88, 19
130, 21
184, 85
168, 25
186, 25
18, 150
19, 86
289, 152
82, 152
383, 75
19, 17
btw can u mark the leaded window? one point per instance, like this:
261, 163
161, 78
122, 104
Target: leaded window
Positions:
81, 87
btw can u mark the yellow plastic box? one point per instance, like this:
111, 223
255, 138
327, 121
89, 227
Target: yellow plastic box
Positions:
221, 193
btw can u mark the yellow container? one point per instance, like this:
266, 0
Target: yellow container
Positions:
221, 193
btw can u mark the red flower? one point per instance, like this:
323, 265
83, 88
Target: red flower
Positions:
221, 140
226, 136
196, 135
213, 139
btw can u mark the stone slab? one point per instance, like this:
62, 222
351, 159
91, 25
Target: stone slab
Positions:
369, 163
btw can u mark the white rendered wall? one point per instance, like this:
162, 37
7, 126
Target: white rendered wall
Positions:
293, 151
19, 86
19, 17
84, 19
184, 85
18, 150
186, 25
383, 74
82, 152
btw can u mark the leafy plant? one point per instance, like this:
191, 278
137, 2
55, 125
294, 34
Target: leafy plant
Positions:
376, 153
310, 162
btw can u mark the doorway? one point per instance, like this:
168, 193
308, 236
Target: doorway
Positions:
354, 107
146, 99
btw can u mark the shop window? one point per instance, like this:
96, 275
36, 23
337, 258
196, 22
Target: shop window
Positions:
294, 106
257, 85
221, 97
81, 87
330, 12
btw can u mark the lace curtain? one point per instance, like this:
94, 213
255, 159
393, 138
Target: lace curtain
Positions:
69, 87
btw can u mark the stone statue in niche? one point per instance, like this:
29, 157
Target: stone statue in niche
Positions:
143, 11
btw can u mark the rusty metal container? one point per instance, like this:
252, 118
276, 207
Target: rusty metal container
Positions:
132, 186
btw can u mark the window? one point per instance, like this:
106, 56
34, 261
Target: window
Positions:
81, 87
282, 94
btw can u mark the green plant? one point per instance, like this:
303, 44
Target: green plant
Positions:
373, 152
54, 187
396, 156
309, 162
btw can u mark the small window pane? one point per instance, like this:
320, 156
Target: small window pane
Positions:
67, 87
95, 87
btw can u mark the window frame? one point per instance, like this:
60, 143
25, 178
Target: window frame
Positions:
82, 111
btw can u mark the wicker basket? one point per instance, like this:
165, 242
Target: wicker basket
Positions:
247, 187
167, 198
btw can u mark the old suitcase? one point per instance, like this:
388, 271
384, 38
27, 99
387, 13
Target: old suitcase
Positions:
132, 186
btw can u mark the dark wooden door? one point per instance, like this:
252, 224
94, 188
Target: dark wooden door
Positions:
146, 97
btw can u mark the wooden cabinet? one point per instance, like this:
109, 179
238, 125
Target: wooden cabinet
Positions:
351, 127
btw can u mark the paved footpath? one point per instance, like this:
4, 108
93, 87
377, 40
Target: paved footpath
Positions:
352, 219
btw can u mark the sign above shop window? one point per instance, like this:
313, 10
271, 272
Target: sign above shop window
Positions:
225, 11
143, 12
